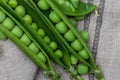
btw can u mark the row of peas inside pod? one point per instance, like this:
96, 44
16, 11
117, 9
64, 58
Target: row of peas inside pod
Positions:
56, 15
12, 29
62, 29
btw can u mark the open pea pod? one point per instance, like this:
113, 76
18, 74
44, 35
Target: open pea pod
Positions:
49, 24
59, 35
59, 12
49, 32
37, 37
46, 66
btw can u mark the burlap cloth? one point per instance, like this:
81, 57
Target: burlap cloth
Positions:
104, 41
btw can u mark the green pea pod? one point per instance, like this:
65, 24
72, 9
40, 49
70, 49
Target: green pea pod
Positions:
35, 34
59, 35
81, 10
66, 57
45, 66
76, 33
55, 8
75, 3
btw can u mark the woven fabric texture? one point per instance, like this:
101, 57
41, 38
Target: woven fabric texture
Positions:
104, 41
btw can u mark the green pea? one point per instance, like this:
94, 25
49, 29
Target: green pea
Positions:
41, 56
17, 31
20, 10
53, 45
8, 23
74, 60
69, 36
13, 3
85, 35
2, 36
34, 26
76, 45
28, 19
33, 48
61, 27
41, 32
59, 53
73, 21
25, 39
43, 5
54, 17
82, 69
2, 16
74, 73
84, 54
46, 39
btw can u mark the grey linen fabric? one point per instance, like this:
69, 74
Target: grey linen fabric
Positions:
104, 41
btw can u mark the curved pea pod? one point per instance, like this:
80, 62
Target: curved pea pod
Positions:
46, 66
72, 51
65, 59
54, 7
49, 24
39, 62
